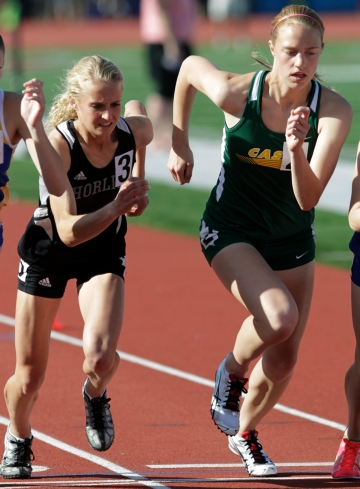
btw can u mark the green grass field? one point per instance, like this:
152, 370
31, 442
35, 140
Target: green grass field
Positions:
179, 209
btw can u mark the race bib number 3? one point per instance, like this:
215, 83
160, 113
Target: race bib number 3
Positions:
123, 167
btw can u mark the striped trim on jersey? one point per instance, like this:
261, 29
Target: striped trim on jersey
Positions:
63, 129
255, 91
121, 124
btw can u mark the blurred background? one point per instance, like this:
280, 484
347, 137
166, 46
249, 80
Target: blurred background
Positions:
44, 38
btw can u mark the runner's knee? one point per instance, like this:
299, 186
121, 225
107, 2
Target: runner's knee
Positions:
101, 363
30, 381
282, 322
278, 367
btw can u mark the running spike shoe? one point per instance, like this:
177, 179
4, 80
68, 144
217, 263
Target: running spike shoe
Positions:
347, 461
17, 458
100, 431
225, 403
257, 463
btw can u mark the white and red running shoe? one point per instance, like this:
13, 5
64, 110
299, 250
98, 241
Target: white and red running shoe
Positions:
347, 461
225, 402
257, 463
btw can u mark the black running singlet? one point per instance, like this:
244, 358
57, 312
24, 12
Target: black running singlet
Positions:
93, 188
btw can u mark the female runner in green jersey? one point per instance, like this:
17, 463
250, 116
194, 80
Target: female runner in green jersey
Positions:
282, 138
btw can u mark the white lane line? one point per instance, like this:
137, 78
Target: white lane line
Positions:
7, 320
117, 469
39, 468
222, 466
104, 483
97, 483
310, 417
183, 375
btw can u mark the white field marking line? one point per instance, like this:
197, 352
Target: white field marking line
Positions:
89, 456
183, 375
223, 466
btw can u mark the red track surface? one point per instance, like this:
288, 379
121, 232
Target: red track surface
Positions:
178, 314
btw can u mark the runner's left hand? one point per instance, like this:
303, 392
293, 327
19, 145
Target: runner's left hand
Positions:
297, 128
33, 102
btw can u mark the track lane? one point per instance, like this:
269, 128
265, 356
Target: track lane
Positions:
162, 420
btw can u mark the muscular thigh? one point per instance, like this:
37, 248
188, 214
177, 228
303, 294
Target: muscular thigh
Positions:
245, 273
33, 321
101, 301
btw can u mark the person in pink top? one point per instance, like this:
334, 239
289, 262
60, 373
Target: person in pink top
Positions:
166, 28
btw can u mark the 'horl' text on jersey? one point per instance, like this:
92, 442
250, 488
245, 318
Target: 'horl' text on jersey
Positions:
123, 169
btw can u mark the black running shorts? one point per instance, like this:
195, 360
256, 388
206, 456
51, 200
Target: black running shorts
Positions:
280, 254
50, 284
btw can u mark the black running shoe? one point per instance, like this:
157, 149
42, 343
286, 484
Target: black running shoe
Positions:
17, 458
100, 431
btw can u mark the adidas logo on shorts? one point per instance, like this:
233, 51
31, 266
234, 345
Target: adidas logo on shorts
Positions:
80, 176
45, 282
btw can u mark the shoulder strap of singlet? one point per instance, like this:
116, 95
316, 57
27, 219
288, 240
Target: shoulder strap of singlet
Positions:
314, 99
314, 104
123, 125
2, 120
64, 129
255, 86
255, 91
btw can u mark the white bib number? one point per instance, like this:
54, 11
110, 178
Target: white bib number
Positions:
123, 167
286, 165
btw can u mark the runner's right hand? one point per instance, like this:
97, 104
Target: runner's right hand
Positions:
181, 164
132, 194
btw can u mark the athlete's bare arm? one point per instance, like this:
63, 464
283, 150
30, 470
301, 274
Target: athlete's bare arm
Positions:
309, 181
140, 124
30, 107
228, 91
135, 115
16, 127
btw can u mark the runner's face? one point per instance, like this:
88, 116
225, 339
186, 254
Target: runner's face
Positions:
99, 108
296, 54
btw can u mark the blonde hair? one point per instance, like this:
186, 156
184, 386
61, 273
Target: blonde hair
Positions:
291, 15
90, 68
